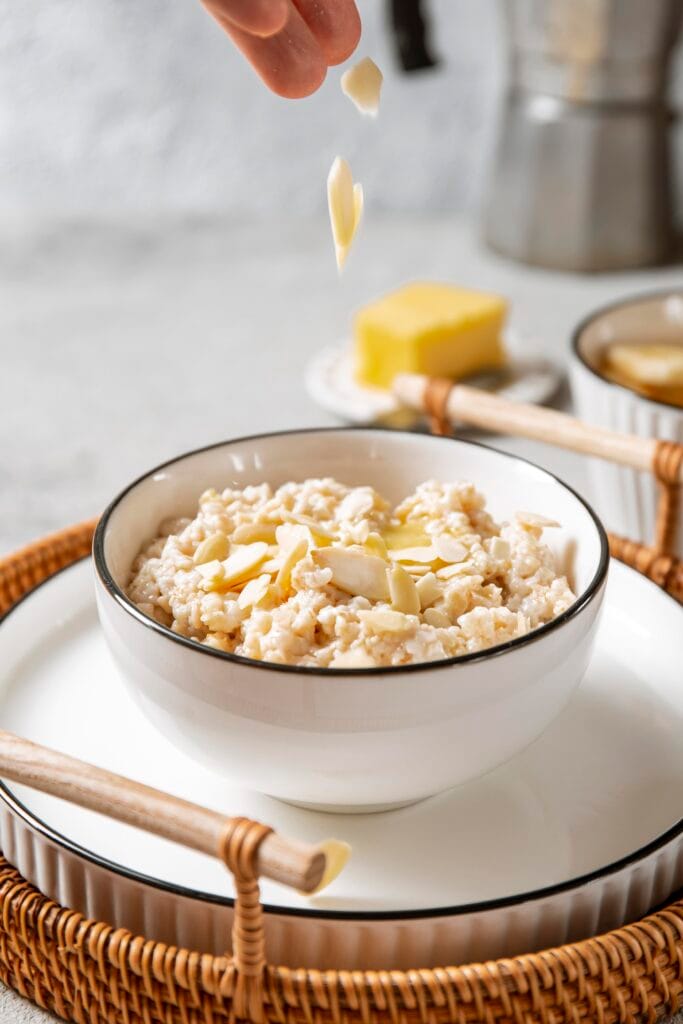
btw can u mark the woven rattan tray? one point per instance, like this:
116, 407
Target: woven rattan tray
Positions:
87, 971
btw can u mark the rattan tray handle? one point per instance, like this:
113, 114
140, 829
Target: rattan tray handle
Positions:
446, 404
248, 848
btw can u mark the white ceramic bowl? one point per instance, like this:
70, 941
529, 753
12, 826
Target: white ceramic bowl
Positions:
626, 499
358, 739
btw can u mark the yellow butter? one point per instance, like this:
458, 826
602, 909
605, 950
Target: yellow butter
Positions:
436, 329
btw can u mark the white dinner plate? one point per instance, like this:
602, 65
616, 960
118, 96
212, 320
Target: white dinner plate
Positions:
580, 832
330, 383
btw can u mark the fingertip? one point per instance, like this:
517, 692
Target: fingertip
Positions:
335, 25
260, 18
273, 18
341, 47
291, 62
301, 85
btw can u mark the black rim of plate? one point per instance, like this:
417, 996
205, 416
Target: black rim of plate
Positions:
53, 836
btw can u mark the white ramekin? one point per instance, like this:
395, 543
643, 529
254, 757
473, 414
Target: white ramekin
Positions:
625, 499
360, 739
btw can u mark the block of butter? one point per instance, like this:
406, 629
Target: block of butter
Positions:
436, 329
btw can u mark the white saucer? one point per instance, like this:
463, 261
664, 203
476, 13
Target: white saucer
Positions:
330, 382
595, 801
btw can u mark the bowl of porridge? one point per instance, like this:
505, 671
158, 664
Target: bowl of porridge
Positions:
350, 619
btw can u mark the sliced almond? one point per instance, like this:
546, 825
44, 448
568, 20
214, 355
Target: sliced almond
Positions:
271, 565
243, 562
533, 519
355, 658
212, 574
345, 203
294, 555
426, 554
499, 549
207, 570
417, 570
290, 534
434, 617
313, 525
428, 589
337, 854
449, 549
247, 533
213, 547
460, 568
403, 592
355, 572
376, 546
254, 592
362, 83
381, 620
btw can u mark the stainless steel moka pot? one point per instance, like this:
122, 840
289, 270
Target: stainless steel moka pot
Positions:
581, 175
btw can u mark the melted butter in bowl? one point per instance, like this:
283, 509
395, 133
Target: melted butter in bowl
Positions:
653, 369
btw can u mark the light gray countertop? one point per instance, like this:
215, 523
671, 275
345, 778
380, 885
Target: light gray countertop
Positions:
124, 344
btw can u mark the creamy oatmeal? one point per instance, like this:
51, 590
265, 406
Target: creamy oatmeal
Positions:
318, 573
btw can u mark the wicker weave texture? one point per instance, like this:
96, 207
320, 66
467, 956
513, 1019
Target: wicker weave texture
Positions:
91, 973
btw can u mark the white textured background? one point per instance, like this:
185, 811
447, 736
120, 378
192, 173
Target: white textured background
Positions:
143, 105
139, 112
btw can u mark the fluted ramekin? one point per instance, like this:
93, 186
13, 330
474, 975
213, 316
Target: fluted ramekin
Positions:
626, 499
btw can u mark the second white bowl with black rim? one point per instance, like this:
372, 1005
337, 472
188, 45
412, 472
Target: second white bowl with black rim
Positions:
626, 499
353, 739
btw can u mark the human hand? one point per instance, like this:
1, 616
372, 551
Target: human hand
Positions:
290, 43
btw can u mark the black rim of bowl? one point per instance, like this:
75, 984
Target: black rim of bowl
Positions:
632, 300
464, 659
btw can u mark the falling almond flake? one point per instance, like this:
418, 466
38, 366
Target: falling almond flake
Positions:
345, 203
363, 84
